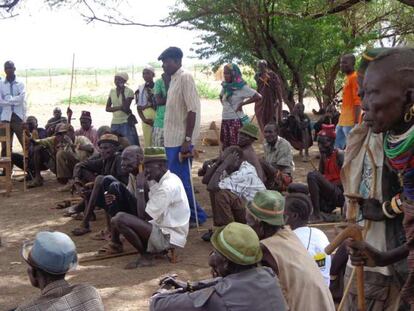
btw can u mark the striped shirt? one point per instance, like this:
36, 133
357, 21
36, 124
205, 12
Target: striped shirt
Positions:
244, 182
61, 296
182, 97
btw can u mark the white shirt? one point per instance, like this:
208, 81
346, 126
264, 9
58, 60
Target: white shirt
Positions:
168, 206
182, 97
244, 182
315, 242
12, 99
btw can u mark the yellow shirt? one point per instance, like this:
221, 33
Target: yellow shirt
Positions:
350, 99
119, 117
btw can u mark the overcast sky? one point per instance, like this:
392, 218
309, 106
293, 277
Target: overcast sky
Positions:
41, 38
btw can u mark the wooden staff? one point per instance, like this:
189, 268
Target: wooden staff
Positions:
71, 81
25, 157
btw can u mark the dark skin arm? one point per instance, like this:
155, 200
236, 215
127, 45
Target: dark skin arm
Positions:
218, 172
363, 254
191, 118
268, 259
254, 99
88, 148
140, 195
109, 107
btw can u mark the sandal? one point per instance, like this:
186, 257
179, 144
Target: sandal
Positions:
110, 249
102, 235
80, 231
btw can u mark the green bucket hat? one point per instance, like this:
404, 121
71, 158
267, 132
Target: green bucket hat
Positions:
238, 243
250, 130
268, 206
154, 154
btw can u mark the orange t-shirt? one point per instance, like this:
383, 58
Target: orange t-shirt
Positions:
350, 99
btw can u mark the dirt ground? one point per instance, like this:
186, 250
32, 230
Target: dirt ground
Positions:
23, 214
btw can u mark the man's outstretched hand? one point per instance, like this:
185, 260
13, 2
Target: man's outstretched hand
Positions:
363, 254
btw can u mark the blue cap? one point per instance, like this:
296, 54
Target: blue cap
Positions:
53, 252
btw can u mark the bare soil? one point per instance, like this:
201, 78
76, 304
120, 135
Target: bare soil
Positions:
23, 214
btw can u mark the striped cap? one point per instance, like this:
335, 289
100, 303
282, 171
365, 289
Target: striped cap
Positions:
268, 206
238, 243
154, 154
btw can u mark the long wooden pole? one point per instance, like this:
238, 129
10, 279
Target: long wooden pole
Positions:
71, 79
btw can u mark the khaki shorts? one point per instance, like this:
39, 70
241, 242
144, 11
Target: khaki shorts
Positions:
158, 241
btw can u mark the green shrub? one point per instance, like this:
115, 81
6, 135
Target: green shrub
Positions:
206, 90
86, 99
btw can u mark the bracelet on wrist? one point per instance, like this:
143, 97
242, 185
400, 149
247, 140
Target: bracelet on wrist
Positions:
140, 190
388, 212
396, 204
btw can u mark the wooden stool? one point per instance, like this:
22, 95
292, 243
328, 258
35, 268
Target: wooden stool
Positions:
172, 257
5, 162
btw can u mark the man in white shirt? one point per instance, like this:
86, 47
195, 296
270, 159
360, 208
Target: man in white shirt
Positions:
298, 208
181, 123
162, 222
231, 182
12, 104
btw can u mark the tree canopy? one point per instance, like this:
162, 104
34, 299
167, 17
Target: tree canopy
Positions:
302, 40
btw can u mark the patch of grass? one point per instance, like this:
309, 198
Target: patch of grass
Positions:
206, 90
86, 99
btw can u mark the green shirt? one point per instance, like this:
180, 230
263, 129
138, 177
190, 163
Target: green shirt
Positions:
119, 117
160, 89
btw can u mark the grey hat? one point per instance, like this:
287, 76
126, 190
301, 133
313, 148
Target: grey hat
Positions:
53, 252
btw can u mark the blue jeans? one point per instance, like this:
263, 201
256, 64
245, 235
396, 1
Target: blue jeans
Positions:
127, 131
341, 136
181, 169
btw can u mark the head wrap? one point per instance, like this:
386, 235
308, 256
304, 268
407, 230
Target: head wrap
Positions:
149, 68
237, 81
328, 130
122, 75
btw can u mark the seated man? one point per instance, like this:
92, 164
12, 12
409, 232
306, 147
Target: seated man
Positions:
49, 257
231, 182
87, 128
160, 223
237, 280
123, 141
34, 132
96, 169
296, 128
298, 209
278, 159
53, 122
325, 187
301, 281
65, 149
330, 116
247, 135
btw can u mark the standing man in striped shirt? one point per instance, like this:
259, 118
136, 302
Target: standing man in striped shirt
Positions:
181, 123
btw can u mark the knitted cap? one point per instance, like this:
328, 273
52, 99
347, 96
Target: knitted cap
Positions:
86, 115
154, 154
122, 75
108, 138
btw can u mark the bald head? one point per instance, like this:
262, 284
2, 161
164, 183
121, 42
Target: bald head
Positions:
347, 63
131, 158
389, 91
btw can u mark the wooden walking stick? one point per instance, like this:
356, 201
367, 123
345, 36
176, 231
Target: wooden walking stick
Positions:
354, 232
25, 158
71, 83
